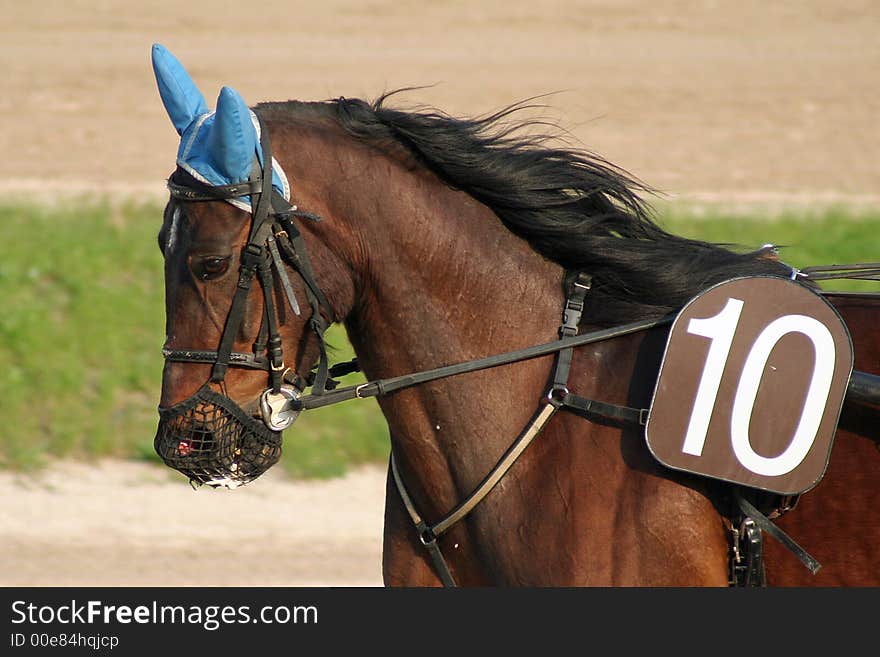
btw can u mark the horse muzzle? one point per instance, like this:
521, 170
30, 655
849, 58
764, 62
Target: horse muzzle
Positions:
212, 440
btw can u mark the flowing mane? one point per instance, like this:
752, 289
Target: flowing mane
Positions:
572, 207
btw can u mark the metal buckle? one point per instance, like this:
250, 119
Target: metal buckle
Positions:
556, 394
426, 534
750, 569
275, 407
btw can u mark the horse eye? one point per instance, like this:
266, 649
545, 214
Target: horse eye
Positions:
211, 267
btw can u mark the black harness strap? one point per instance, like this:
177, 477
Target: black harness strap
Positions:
571, 319
764, 523
281, 270
273, 344
428, 534
862, 271
591, 408
386, 386
294, 248
203, 192
250, 261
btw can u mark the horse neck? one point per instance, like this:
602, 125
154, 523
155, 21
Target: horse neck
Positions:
437, 280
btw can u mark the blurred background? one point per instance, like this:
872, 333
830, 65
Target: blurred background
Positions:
755, 123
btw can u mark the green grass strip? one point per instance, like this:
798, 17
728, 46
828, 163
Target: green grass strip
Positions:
82, 325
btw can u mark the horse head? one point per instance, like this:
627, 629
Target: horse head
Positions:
230, 305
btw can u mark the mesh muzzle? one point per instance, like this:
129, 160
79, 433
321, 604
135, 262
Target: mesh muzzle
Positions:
211, 440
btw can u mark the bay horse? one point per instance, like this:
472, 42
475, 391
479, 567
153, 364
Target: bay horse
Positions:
438, 240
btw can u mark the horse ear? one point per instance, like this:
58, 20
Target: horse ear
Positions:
232, 141
182, 99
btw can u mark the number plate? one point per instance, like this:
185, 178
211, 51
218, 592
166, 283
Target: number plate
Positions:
751, 385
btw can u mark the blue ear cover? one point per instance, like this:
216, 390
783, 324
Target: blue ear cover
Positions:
182, 99
218, 147
232, 140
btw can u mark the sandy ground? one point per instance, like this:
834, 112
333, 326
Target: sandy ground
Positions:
742, 102
703, 100
118, 523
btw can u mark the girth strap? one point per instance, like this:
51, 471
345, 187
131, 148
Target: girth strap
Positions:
763, 523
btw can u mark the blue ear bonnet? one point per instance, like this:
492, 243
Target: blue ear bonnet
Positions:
216, 147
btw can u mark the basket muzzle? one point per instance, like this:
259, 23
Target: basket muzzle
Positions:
212, 440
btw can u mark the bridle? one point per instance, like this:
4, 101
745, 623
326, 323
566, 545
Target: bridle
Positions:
208, 436
272, 233
212, 440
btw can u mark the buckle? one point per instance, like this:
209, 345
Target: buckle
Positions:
251, 255
426, 534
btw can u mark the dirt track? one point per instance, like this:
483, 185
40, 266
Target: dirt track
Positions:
133, 524
727, 101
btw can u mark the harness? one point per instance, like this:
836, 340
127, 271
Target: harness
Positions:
212, 440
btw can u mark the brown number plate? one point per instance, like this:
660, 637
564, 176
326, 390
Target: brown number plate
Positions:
751, 385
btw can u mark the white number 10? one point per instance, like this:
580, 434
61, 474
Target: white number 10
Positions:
720, 329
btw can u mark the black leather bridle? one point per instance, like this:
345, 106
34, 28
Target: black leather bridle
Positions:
208, 436
274, 241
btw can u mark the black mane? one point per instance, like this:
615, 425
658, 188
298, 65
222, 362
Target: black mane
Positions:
572, 207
